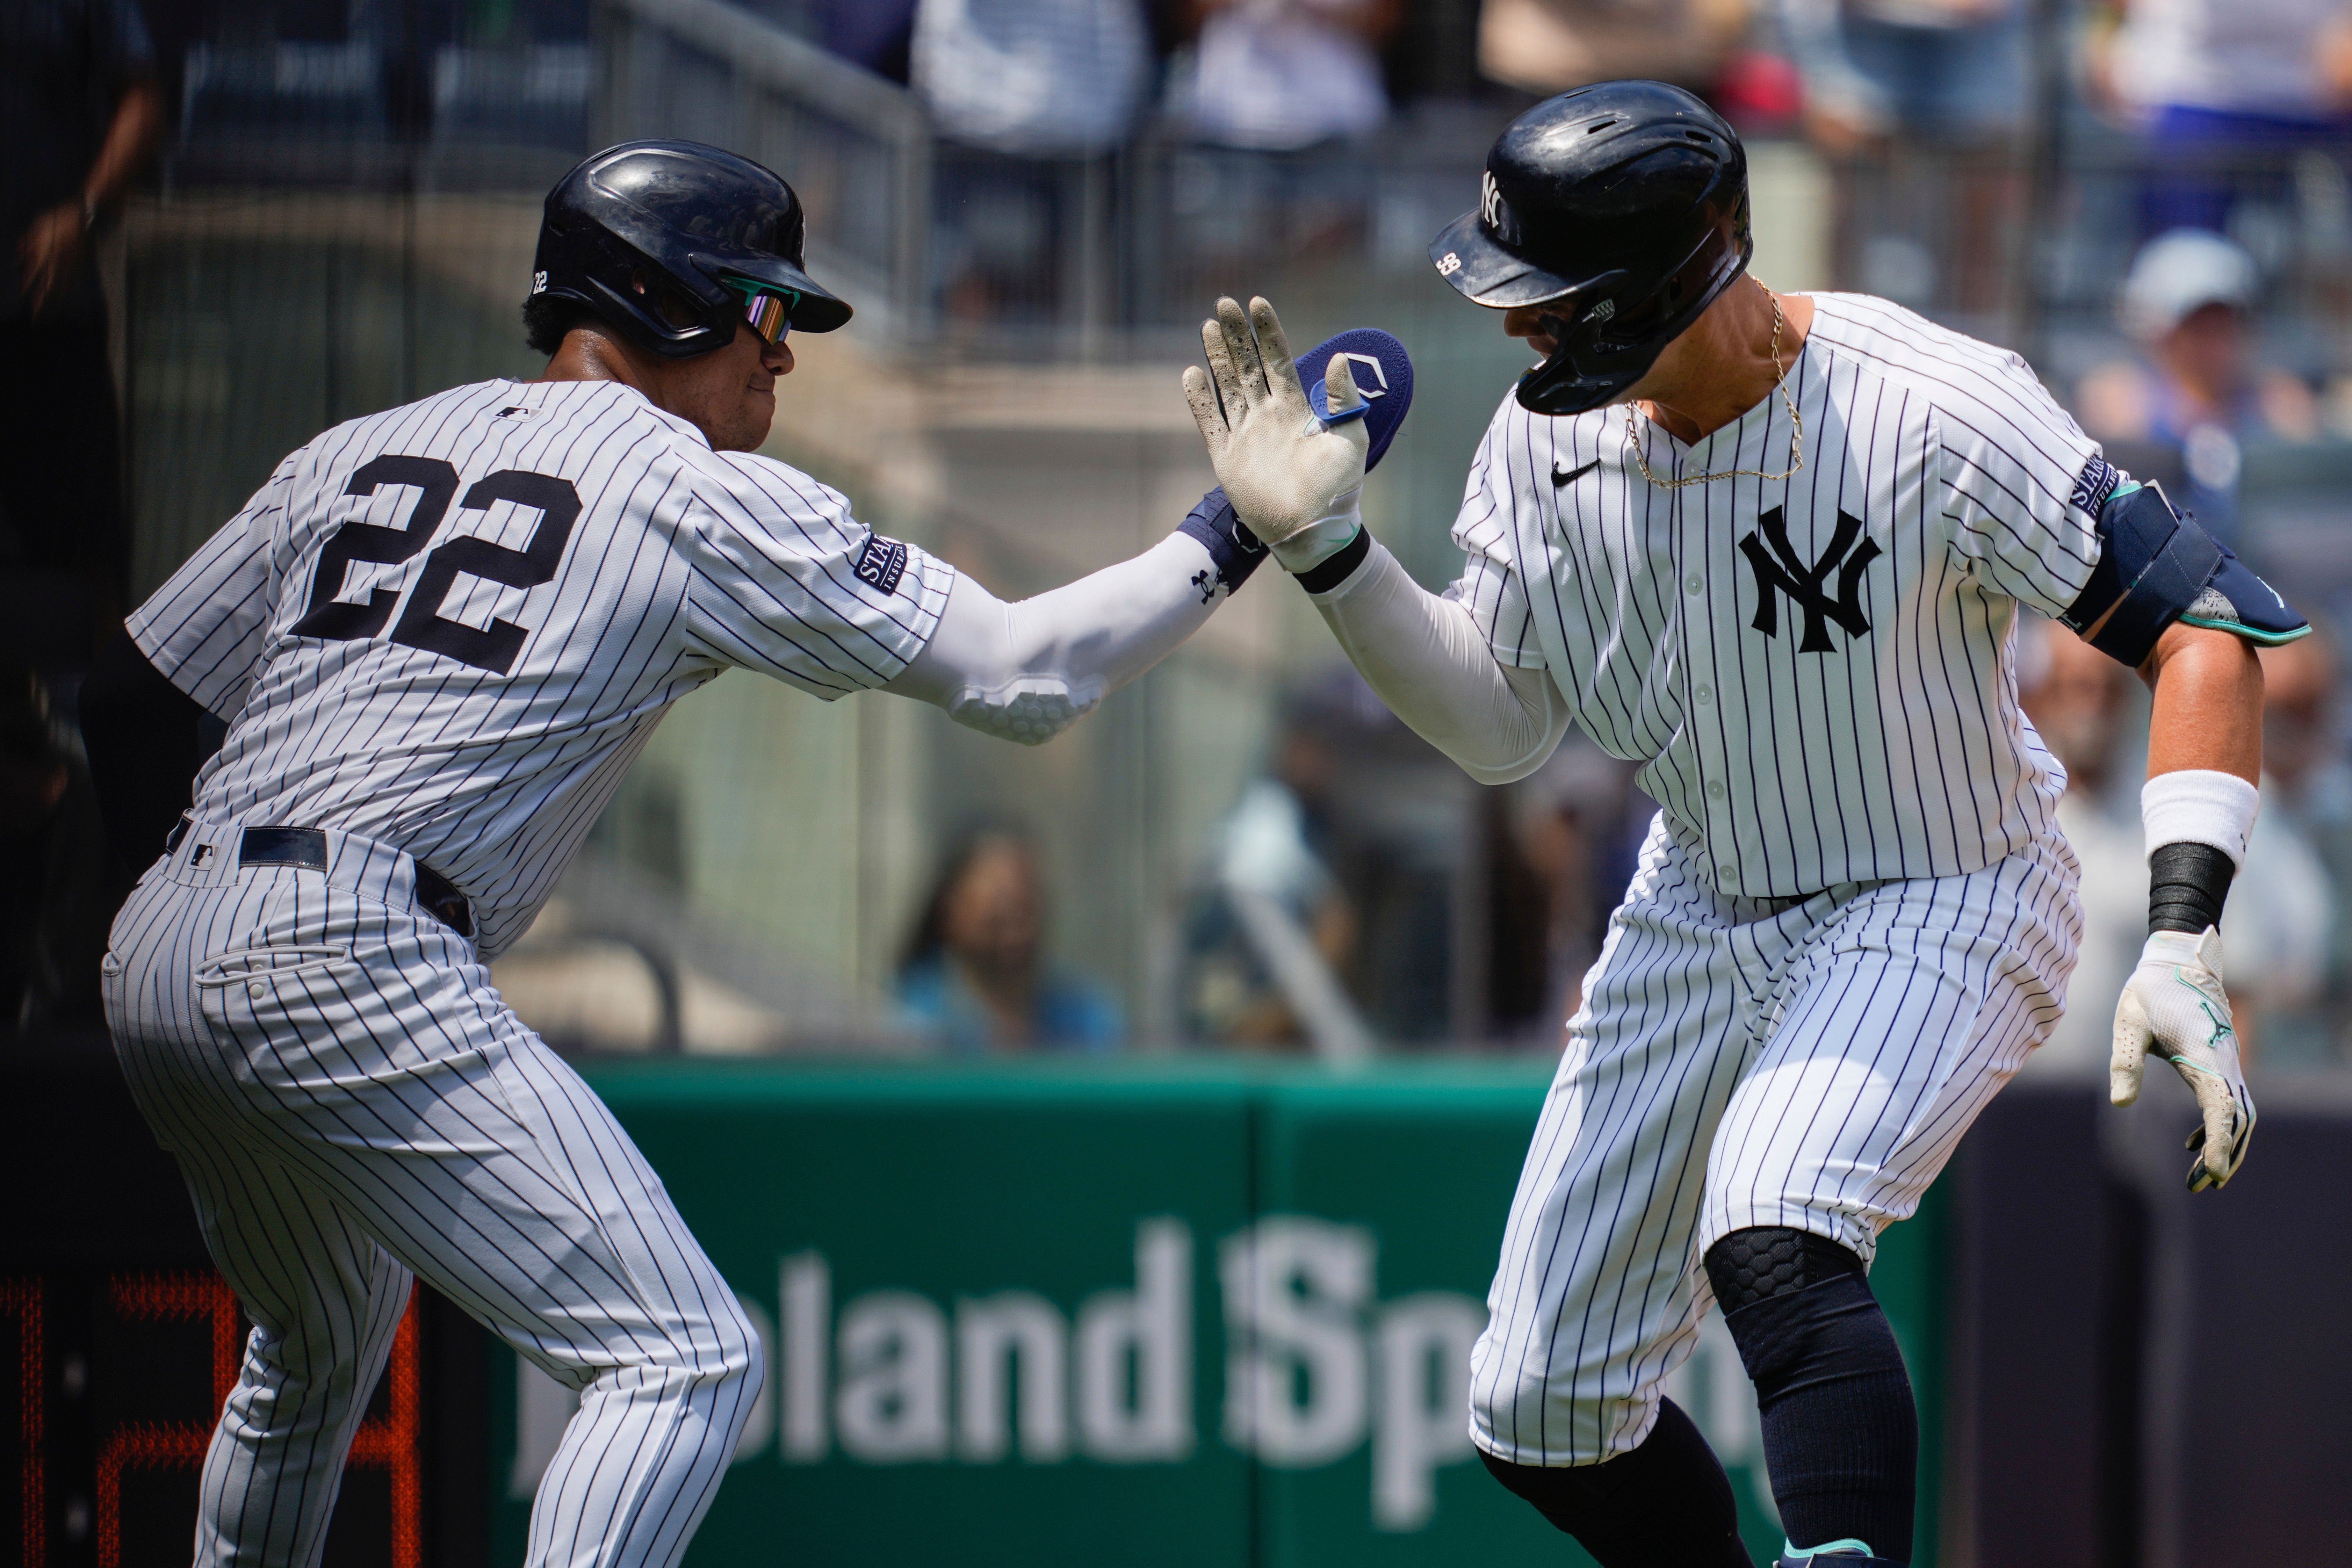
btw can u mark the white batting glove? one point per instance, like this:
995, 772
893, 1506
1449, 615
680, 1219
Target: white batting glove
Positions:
1284, 469
2174, 1001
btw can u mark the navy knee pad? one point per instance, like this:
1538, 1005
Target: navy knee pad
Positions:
1840, 1433
1667, 1504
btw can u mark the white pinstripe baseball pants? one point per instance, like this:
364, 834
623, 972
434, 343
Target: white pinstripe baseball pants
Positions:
352, 1104
1741, 1063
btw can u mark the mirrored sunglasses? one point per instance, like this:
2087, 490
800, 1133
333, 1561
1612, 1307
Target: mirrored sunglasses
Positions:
767, 309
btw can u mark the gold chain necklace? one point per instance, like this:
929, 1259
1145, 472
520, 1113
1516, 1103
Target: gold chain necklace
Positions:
1779, 381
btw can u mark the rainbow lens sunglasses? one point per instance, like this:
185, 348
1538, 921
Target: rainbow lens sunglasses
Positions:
767, 309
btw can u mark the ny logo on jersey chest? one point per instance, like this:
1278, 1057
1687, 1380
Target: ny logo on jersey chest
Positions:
1780, 570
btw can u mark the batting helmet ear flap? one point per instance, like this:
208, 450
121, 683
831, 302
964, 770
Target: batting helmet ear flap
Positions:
664, 300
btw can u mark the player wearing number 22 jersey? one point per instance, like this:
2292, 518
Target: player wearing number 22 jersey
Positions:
447, 528
438, 635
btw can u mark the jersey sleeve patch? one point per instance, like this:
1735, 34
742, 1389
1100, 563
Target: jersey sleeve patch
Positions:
2094, 484
881, 562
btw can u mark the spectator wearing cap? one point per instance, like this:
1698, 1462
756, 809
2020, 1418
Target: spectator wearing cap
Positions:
2198, 395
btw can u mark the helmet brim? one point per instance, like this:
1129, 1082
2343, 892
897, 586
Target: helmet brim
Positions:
1484, 273
817, 308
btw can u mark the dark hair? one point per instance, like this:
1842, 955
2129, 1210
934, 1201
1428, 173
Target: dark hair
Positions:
547, 319
929, 938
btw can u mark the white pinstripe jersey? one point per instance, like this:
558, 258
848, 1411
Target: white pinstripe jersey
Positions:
451, 626
1816, 672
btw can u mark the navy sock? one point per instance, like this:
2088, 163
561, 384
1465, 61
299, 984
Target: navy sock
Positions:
1840, 1433
1667, 1504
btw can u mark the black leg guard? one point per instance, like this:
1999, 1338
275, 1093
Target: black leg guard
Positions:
1667, 1504
1841, 1434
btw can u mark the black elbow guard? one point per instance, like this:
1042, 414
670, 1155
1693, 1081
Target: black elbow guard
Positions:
2156, 566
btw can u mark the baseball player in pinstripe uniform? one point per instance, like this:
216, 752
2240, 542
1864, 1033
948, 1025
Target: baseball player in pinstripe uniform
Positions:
1773, 549
438, 635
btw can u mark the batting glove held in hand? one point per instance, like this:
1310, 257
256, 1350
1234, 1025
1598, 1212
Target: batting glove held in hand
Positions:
2174, 1003
1284, 470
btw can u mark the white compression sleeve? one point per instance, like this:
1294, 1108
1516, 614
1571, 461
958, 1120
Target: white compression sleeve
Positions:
1426, 658
1030, 670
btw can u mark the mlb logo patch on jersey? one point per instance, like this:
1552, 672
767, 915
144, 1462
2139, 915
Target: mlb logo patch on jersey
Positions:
882, 561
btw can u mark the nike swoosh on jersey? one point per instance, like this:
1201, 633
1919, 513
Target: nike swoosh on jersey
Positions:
1561, 481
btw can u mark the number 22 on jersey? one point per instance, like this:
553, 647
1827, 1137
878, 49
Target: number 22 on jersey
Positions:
422, 625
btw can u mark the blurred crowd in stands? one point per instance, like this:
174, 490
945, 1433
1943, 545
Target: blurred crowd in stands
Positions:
2186, 284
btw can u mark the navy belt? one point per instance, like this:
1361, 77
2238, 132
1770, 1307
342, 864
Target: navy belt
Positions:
307, 846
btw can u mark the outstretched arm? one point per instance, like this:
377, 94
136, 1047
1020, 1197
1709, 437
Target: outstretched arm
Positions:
1296, 481
1426, 657
1030, 670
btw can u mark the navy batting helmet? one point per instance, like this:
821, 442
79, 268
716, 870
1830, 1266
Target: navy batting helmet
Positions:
1621, 210
644, 213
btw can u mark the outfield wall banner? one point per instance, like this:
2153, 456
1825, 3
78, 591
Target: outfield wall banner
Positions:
1144, 1314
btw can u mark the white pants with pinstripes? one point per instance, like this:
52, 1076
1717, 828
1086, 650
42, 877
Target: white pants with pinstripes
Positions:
352, 1105
1808, 1064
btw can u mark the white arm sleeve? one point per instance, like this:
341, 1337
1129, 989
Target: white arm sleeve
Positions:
1029, 670
1426, 657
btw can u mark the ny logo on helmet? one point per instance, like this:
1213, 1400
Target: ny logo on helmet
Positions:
1493, 213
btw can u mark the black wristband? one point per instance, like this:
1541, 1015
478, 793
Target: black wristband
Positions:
1332, 570
1231, 545
2186, 885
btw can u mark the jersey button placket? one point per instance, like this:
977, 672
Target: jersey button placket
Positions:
1706, 722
